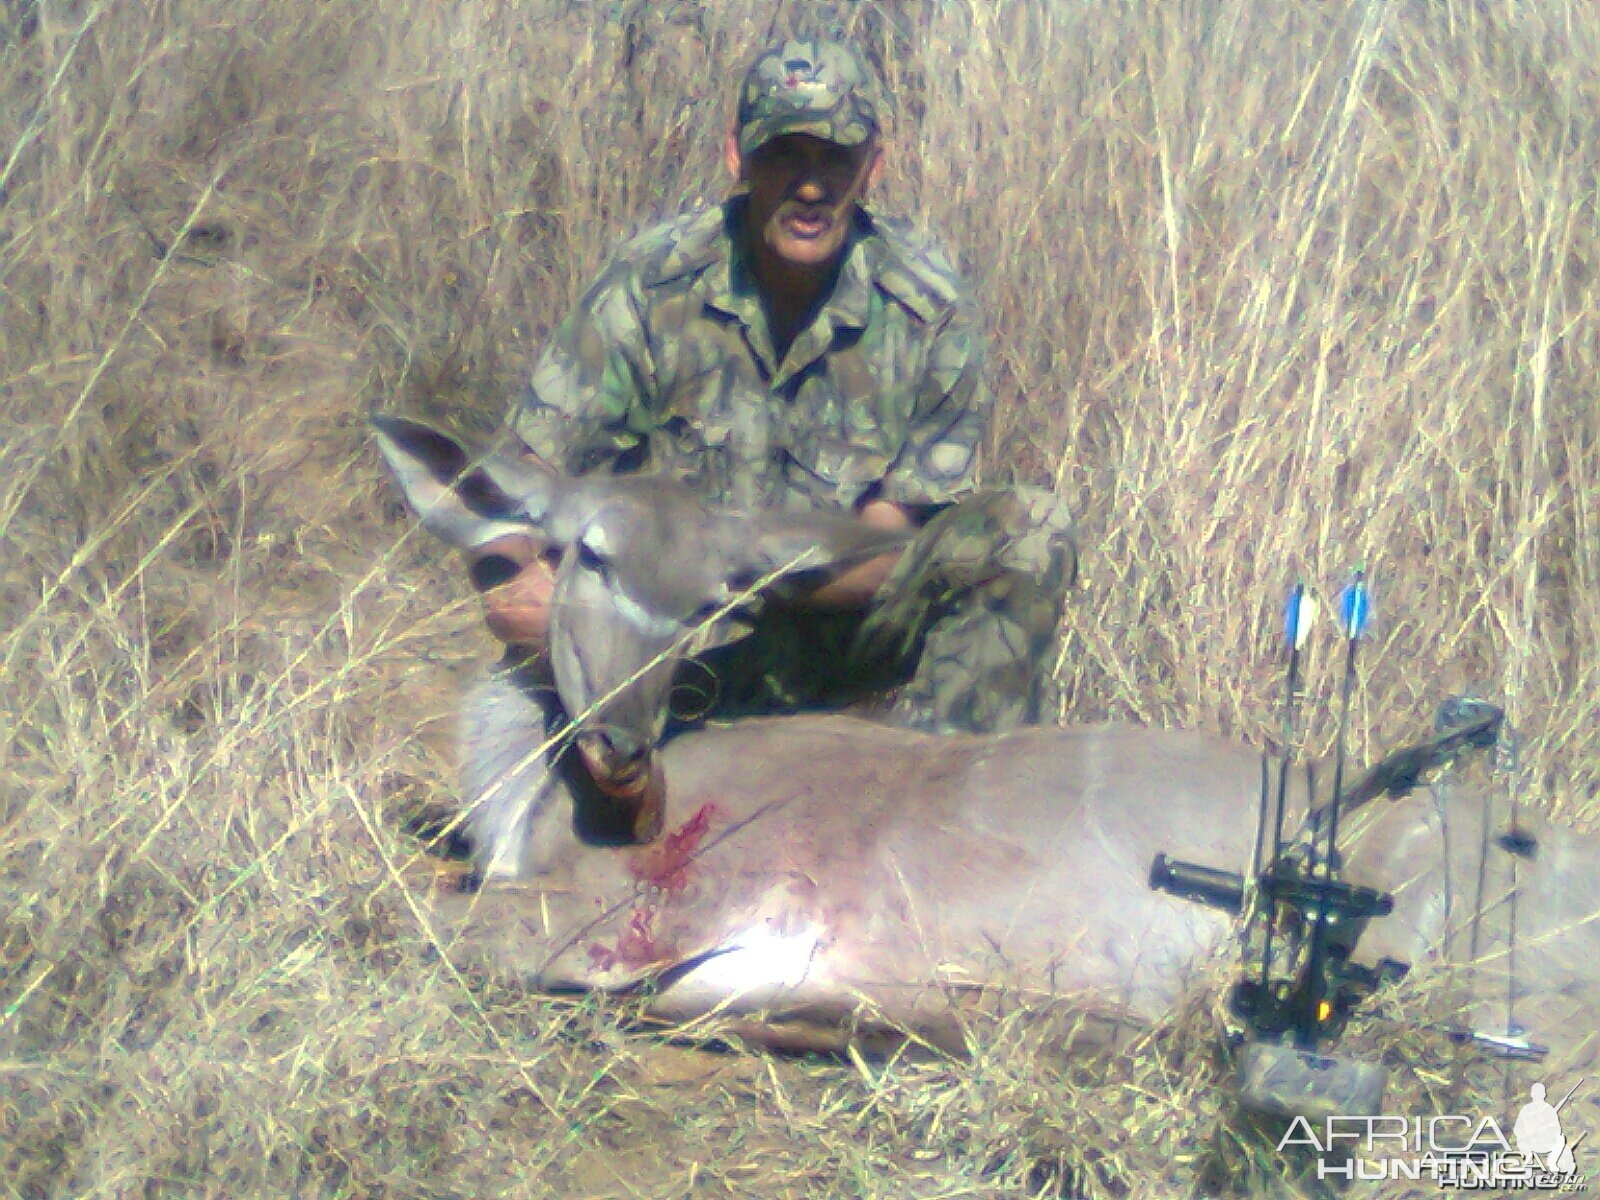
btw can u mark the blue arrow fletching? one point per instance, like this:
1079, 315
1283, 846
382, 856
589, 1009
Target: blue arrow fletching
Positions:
1298, 617
1355, 607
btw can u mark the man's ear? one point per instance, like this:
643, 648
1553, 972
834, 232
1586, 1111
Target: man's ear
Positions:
731, 158
875, 170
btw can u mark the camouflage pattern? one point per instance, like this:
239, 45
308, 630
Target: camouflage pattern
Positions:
962, 641
973, 611
668, 365
816, 87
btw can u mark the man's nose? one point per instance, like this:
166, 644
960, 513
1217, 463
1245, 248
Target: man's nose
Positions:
811, 190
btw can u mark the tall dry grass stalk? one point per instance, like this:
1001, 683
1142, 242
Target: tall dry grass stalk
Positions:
1272, 289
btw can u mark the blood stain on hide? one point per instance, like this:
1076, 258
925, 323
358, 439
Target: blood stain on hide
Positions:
636, 946
664, 868
666, 864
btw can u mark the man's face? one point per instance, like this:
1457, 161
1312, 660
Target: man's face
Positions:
803, 193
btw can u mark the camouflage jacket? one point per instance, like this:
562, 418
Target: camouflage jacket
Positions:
667, 364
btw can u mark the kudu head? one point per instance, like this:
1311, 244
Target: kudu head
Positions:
645, 572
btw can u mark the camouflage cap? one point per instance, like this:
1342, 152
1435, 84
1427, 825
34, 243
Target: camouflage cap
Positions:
816, 87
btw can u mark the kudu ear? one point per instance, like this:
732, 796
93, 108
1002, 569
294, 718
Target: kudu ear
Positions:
464, 501
815, 543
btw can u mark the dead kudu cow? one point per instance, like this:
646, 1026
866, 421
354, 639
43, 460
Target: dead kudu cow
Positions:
818, 873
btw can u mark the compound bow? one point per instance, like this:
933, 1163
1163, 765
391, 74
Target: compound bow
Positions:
1297, 990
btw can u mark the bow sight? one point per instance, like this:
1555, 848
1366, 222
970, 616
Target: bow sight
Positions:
1297, 994
1298, 988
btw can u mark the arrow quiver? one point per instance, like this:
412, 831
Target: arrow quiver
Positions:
1298, 987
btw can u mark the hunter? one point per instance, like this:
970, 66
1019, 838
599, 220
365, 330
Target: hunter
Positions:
790, 349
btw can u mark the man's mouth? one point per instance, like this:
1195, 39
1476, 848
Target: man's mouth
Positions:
806, 225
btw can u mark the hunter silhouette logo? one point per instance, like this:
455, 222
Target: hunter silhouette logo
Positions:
1538, 1132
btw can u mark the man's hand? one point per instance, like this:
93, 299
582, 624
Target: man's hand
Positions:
516, 577
855, 586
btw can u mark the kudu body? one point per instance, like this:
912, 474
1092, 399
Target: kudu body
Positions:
828, 873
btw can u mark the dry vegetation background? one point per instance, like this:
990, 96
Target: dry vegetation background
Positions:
1272, 288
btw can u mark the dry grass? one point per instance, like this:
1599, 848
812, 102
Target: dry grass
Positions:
1272, 288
